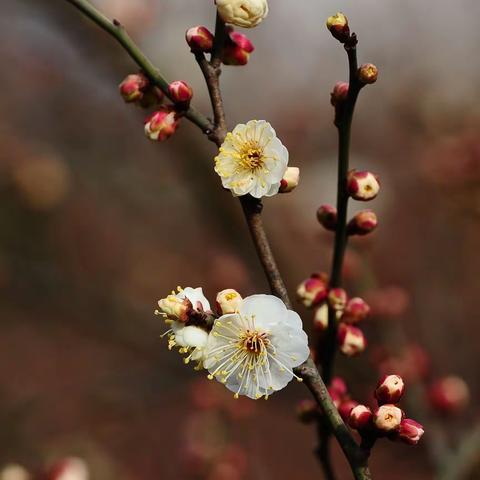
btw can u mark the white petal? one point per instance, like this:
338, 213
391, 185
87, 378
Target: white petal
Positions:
267, 310
196, 295
195, 337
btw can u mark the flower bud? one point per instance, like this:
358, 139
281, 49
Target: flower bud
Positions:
320, 318
351, 340
338, 26
362, 185
228, 301
290, 180
335, 396
237, 49
345, 409
180, 92
133, 86
368, 73
307, 411
337, 298
313, 291
387, 418
199, 39
162, 124
389, 389
362, 223
355, 311
339, 93
339, 385
360, 417
68, 469
410, 431
327, 217
175, 308
449, 395
243, 13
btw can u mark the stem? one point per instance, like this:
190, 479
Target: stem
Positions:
252, 209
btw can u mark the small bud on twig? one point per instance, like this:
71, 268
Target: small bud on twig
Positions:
389, 389
362, 223
338, 26
337, 298
368, 73
339, 93
327, 217
449, 395
162, 124
290, 180
199, 39
355, 311
410, 431
313, 290
180, 92
346, 408
362, 185
228, 301
360, 417
388, 418
351, 340
237, 49
320, 318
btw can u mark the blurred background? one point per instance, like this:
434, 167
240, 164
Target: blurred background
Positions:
97, 223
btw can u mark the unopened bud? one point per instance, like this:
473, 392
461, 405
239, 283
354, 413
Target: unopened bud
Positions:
368, 73
228, 301
237, 49
355, 311
290, 180
360, 417
389, 389
180, 92
362, 185
362, 223
133, 86
338, 26
410, 431
345, 409
199, 39
387, 418
339, 93
313, 290
175, 308
320, 318
449, 395
339, 385
337, 298
243, 13
68, 469
335, 396
351, 340
162, 124
327, 217
307, 411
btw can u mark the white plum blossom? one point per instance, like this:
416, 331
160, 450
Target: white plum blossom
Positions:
252, 160
254, 351
243, 13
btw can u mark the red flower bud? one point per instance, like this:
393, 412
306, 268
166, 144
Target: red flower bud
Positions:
360, 417
410, 431
351, 340
389, 389
339, 93
335, 396
320, 318
368, 73
337, 298
237, 49
388, 418
339, 385
313, 290
449, 395
199, 39
362, 223
362, 185
345, 409
162, 124
338, 26
355, 311
133, 86
180, 92
327, 217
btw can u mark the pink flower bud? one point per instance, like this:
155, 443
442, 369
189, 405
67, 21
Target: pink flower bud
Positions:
313, 290
449, 395
180, 92
335, 396
338, 26
389, 389
199, 39
368, 73
228, 301
355, 311
290, 180
327, 217
337, 298
320, 318
339, 385
133, 86
68, 469
339, 93
307, 411
162, 124
388, 418
360, 417
237, 49
351, 340
362, 223
410, 431
362, 185
345, 409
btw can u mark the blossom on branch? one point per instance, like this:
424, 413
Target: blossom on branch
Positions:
243, 13
252, 160
253, 352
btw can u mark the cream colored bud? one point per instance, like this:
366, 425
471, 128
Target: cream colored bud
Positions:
388, 418
243, 13
228, 301
290, 180
175, 308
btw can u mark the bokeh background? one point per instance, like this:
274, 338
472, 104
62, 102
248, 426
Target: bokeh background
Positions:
97, 224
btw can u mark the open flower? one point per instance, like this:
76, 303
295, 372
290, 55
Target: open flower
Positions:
243, 13
253, 352
252, 160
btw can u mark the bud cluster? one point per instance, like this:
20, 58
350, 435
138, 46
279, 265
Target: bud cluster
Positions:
136, 88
